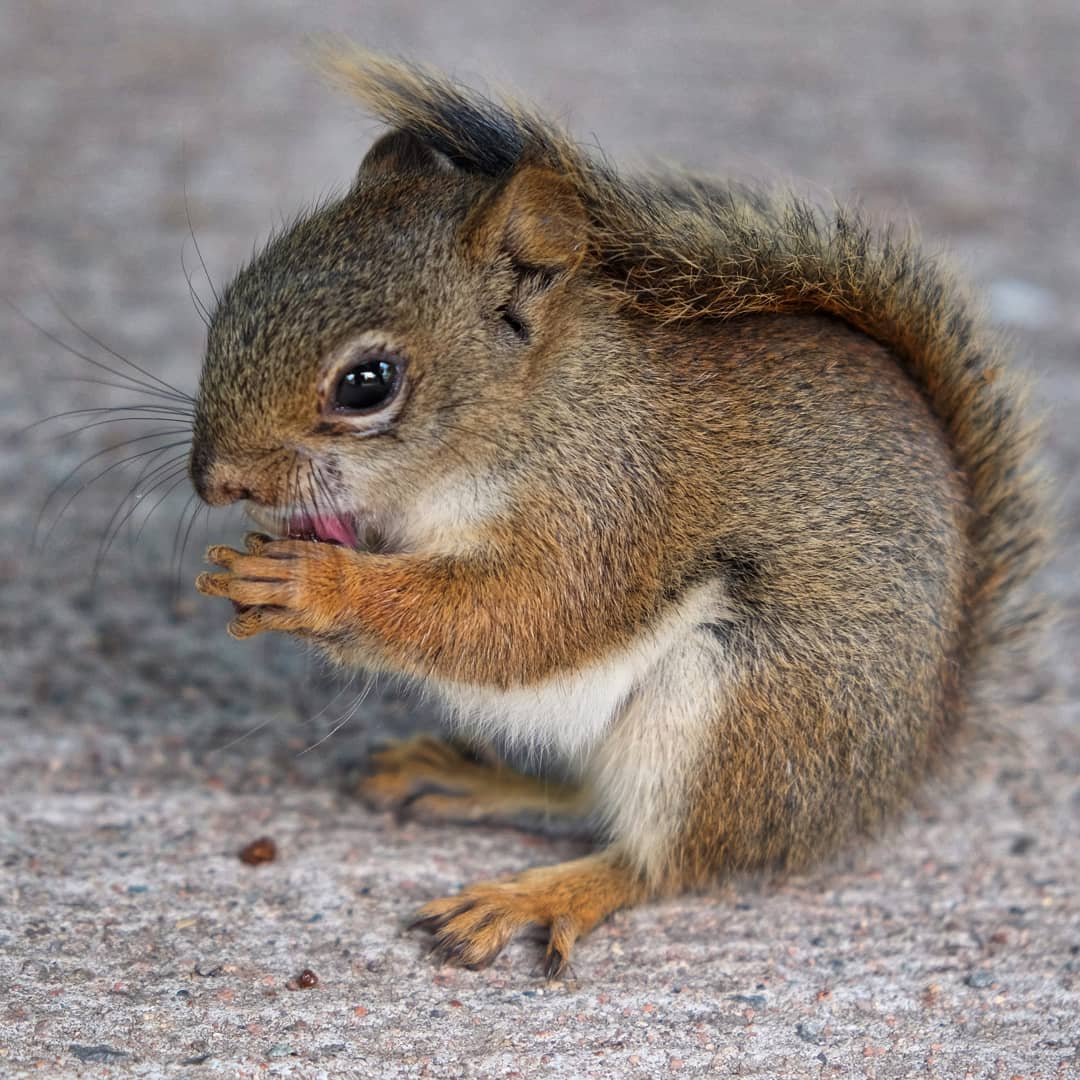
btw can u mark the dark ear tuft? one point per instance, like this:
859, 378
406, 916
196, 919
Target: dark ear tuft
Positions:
399, 152
536, 217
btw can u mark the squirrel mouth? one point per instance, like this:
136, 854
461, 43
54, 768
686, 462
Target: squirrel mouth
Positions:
325, 528
322, 528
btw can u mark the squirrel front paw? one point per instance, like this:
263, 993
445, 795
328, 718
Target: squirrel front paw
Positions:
290, 585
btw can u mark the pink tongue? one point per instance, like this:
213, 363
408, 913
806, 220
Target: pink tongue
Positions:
334, 528
329, 529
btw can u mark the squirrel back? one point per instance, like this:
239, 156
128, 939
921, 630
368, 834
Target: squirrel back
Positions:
679, 248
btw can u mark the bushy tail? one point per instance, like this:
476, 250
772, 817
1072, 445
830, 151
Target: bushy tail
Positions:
677, 248
728, 255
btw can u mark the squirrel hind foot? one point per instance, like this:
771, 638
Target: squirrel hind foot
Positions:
434, 779
567, 899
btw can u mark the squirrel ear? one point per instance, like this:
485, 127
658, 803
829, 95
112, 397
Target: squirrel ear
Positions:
402, 152
535, 216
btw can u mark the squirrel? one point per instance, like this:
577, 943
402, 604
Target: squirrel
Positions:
718, 499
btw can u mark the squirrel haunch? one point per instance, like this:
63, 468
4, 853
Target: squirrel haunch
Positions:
721, 497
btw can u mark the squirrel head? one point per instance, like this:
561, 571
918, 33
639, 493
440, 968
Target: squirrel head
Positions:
380, 341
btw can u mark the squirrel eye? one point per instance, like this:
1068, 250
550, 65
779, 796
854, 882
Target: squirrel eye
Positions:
367, 385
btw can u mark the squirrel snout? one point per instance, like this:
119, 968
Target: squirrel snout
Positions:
199, 460
220, 483
222, 494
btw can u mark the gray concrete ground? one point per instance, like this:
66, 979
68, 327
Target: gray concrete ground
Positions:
139, 747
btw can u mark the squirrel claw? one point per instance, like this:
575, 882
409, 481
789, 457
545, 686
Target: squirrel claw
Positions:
213, 584
471, 930
555, 963
245, 624
468, 931
222, 555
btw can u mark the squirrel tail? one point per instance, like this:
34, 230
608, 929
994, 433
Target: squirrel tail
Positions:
722, 254
676, 247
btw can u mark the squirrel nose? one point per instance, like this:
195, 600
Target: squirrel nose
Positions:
217, 482
220, 486
225, 493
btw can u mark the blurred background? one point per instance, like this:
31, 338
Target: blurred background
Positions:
138, 743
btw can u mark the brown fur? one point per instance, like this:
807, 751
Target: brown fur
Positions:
748, 472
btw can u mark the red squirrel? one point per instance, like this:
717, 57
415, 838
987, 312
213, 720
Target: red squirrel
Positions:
719, 498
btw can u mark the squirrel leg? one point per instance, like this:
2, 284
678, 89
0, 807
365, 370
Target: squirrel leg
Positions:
404, 774
641, 781
569, 899
431, 617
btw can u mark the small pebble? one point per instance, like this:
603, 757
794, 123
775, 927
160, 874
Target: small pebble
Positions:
810, 1030
304, 981
259, 851
980, 980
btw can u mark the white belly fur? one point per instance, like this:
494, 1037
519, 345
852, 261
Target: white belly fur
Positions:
631, 727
